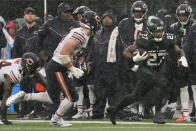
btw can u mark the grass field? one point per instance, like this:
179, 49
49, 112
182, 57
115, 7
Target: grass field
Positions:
86, 125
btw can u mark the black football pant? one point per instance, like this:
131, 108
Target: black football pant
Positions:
150, 88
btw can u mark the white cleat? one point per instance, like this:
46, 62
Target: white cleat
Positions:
59, 122
80, 115
15, 98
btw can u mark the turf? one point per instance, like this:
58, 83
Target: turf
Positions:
42, 125
95, 127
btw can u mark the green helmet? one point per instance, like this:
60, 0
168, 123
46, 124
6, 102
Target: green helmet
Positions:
155, 24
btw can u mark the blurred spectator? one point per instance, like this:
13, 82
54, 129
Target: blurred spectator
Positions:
104, 77
26, 37
20, 22
11, 28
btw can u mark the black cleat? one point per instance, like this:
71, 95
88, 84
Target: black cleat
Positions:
5, 121
137, 117
112, 114
159, 118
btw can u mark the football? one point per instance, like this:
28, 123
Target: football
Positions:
140, 50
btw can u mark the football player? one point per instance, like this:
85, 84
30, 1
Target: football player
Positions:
12, 71
60, 70
157, 45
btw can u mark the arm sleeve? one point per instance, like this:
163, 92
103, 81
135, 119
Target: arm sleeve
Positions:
78, 37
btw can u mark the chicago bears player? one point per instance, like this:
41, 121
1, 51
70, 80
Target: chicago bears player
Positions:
12, 71
60, 70
150, 80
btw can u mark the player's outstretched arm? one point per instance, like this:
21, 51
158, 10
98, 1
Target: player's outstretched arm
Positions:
8, 84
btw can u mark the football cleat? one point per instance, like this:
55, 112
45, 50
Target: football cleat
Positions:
5, 121
59, 122
15, 98
80, 115
112, 115
159, 118
137, 117
184, 118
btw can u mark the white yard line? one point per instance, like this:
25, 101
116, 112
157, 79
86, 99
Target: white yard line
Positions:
80, 128
105, 122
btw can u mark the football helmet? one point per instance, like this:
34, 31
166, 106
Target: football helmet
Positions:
80, 10
139, 6
155, 24
184, 9
90, 20
30, 63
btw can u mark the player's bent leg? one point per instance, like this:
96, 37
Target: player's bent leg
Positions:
22, 96
64, 106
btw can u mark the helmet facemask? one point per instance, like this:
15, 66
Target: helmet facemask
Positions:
139, 10
90, 20
155, 27
182, 11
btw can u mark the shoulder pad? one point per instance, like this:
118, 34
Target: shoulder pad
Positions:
170, 39
143, 39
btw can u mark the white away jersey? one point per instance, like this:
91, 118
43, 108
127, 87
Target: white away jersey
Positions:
76, 34
11, 67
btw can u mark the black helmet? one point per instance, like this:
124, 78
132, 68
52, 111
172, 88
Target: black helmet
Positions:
64, 7
162, 13
141, 7
80, 10
184, 9
30, 62
90, 20
155, 24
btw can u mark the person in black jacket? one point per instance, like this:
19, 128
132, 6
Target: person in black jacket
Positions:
179, 76
52, 32
104, 73
190, 51
26, 38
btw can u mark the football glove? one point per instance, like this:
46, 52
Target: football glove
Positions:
76, 72
139, 57
183, 62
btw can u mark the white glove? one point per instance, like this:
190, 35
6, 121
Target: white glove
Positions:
135, 68
73, 71
182, 61
139, 57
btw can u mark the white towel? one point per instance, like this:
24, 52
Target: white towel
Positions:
5, 50
111, 56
